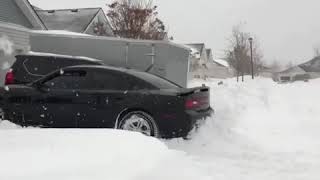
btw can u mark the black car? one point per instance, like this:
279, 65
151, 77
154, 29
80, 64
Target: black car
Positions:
107, 97
33, 66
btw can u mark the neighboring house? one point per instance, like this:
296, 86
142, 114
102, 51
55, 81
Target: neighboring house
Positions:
20, 12
200, 51
291, 74
91, 21
198, 60
302, 72
312, 67
219, 68
203, 65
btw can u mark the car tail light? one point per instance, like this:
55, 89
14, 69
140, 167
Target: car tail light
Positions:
197, 103
9, 77
192, 104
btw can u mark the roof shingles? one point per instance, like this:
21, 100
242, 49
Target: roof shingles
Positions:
76, 20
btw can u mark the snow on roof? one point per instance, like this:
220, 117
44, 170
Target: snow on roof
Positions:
311, 66
222, 62
75, 20
31, 53
59, 32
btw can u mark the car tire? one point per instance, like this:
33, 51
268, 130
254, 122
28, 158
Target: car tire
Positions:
139, 121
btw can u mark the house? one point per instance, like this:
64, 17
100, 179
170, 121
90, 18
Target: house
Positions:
219, 69
198, 59
20, 12
290, 74
203, 64
199, 51
312, 67
91, 21
302, 72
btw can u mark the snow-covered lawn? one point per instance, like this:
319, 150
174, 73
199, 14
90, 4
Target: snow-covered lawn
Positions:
261, 130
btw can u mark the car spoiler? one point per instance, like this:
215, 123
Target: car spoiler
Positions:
189, 91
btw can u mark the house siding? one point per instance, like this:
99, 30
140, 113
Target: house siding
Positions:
18, 35
9, 12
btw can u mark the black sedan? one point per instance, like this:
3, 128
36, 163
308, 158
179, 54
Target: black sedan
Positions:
105, 97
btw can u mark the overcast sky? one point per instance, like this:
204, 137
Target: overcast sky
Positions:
288, 30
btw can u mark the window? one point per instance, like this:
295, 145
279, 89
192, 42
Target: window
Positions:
68, 80
43, 66
109, 80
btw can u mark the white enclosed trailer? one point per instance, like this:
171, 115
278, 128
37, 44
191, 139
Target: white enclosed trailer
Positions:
162, 58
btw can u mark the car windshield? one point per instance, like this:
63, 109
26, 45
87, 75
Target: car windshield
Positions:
156, 81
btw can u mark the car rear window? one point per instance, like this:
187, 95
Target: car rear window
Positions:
156, 81
43, 66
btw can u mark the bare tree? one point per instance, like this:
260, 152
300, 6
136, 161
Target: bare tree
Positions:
136, 19
289, 65
275, 66
316, 51
238, 52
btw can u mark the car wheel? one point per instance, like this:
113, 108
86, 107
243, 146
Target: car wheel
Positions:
139, 121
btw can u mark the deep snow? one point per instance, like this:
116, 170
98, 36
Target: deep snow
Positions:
261, 130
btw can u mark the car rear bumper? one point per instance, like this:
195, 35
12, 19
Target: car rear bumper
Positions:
185, 123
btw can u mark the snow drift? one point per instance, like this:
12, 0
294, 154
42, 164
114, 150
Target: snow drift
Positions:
90, 154
261, 130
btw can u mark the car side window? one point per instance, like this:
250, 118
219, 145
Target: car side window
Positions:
108, 81
105, 80
134, 83
68, 80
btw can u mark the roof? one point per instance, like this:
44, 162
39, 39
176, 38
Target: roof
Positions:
293, 70
97, 67
311, 66
75, 20
198, 46
36, 8
40, 54
222, 62
59, 32
20, 12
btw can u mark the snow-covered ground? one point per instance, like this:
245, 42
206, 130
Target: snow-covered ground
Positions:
261, 130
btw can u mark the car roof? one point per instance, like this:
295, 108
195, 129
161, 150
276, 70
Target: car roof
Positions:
48, 55
104, 67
